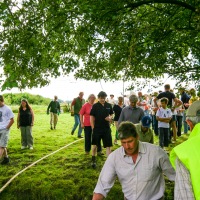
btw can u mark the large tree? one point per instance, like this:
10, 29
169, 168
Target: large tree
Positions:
112, 40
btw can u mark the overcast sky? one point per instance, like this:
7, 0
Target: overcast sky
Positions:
66, 88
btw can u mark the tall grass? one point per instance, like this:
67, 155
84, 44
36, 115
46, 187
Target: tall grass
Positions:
66, 175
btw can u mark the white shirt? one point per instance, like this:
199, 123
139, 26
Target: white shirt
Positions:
163, 113
5, 115
142, 180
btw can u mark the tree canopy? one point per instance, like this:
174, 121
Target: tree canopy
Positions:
112, 40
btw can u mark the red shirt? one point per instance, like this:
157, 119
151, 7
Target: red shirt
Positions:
85, 111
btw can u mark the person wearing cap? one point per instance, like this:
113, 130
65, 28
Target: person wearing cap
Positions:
143, 130
131, 113
139, 167
6, 121
185, 158
100, 120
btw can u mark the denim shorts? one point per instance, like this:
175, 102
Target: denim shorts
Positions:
4, 136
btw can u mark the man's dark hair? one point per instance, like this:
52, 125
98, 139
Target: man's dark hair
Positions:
1, 98
126, 130
167, 86
102, 94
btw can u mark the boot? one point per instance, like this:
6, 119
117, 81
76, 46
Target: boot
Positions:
93, 162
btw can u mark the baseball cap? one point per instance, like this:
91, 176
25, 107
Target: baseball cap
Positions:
146, 121
194, 109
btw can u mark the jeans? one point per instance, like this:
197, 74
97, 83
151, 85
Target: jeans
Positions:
155, 124
77, 123
179, 124
185, 125
163, 137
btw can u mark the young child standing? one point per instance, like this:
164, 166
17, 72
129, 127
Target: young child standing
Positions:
163, 116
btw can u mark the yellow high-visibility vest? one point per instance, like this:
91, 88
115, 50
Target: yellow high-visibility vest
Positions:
188, 153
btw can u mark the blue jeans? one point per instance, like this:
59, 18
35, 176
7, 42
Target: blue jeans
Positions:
185, 125
163, 137
77, 123
155, 124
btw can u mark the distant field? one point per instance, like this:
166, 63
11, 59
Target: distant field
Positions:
66, 175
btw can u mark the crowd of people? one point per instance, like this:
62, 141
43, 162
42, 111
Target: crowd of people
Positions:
139, 164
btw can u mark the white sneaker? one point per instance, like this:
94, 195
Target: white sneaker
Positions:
23, 147
30, 148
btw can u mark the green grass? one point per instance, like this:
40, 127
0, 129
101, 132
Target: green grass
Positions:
66, 175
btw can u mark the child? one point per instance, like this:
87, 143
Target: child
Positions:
163, 116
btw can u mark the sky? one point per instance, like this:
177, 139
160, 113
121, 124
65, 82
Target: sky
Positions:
67, 88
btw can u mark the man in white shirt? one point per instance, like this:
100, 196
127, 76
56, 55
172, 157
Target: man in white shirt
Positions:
139, 167
6, 121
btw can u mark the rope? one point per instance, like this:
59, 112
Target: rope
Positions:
31, 165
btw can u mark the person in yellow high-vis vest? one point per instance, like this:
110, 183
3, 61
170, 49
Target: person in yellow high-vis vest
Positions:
185, 158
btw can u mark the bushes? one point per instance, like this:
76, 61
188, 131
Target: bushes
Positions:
15, 99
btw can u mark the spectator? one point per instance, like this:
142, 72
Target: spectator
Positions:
6, 121
143, 130
25, 121
100, 119
185, 100
131, 113
179, 119
54, 107
76, 105
153, 114
117, 108
111, 100
139, 167
163, 116
193, 96
186, 158
85, 122
171, 98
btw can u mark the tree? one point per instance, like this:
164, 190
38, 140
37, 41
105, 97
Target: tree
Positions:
112, 39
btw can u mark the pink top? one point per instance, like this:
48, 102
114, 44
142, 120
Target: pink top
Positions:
85, 111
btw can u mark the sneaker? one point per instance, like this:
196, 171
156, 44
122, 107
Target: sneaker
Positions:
23, 147
5, 161
80, 136
51, 128
72, 133
31, 148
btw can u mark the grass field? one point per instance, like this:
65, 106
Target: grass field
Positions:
66, 175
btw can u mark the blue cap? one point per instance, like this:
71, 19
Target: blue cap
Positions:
146, 121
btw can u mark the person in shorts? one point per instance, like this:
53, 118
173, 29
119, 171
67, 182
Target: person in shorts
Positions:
100, 120
6, 121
